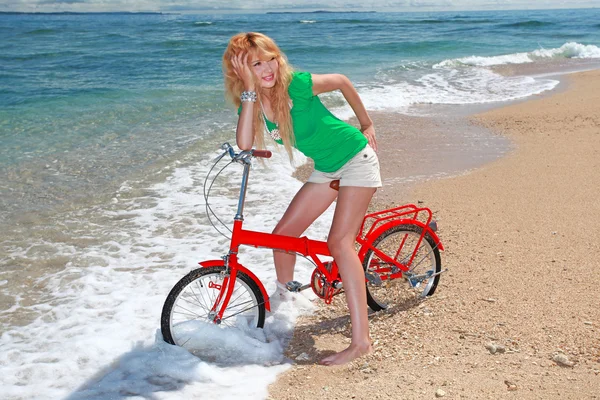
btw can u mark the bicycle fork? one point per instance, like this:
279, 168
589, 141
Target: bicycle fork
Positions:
225, 291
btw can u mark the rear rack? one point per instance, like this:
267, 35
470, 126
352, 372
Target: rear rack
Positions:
410, 213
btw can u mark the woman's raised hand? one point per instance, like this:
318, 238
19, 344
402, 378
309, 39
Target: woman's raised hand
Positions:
369, 132
243, 71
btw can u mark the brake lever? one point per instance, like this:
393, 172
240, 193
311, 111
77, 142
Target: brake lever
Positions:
228, 150
218, 158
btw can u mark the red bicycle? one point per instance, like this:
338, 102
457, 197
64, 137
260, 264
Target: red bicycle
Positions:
395, 243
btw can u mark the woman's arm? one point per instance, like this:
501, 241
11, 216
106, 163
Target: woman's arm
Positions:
331, 82
244, 134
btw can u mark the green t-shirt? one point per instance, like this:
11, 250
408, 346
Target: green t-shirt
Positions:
320, 135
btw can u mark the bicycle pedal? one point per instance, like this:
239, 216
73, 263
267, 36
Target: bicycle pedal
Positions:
373, 278
293, 286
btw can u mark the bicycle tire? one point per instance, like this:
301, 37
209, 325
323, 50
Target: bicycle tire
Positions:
193, 291
380, 295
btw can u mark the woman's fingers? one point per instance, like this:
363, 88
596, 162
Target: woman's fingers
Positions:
373, 141
370, 135
240, 60
236, 60
243, 71
235, 66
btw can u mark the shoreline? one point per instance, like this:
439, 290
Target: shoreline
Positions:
520, 256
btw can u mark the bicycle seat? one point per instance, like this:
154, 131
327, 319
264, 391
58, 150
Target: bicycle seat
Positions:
335, 185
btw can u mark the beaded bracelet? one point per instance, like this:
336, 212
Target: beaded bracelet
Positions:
248, 96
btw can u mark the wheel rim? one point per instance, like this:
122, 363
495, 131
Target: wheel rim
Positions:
423, 263
194, 303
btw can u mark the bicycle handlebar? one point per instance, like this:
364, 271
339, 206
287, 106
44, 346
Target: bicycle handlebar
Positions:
262, 153
243, 155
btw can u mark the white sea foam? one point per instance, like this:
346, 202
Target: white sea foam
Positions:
473, 85
307, 21
568, 50
97, 335
465, 80
516, 58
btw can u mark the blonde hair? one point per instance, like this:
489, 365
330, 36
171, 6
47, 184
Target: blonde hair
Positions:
262, 46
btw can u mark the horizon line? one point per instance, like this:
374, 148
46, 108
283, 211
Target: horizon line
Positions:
284, 11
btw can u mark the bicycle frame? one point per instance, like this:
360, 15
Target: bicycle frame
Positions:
302, 245
373, 225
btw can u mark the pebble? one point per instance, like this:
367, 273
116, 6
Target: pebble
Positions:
303, 357
511, 387
494, 348
562, 360
440, 393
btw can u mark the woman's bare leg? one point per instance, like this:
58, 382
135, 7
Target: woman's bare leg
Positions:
308, 204
350, 210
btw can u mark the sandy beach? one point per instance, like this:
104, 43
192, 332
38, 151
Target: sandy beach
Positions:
517, 314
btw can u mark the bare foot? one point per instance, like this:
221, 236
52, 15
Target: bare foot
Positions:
345, 356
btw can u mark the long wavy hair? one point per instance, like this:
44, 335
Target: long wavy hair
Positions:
263, 47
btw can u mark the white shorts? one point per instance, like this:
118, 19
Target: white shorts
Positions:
362, 170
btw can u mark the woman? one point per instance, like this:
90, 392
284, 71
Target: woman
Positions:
268, 93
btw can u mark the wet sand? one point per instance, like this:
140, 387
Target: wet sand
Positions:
414, 149
521, 241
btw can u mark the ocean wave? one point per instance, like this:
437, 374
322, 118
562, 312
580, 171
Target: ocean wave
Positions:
527, 24
448, 87
41, 56
473, 21
450, 21
356, 21
430, 21
42, 32
174, 43
307, 21
567, 50
203, 23
515, 58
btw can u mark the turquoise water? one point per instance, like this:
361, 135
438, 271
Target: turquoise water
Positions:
108, 123
86, 100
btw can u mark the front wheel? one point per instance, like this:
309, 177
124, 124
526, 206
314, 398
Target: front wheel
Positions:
191, 300
399, 243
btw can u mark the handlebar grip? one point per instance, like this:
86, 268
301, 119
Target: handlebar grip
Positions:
262, 153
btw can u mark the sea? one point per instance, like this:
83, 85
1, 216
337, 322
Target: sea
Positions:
109, 124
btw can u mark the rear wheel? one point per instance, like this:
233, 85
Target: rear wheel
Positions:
399, 243
191, 300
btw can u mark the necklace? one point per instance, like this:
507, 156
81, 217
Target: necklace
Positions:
275, 132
